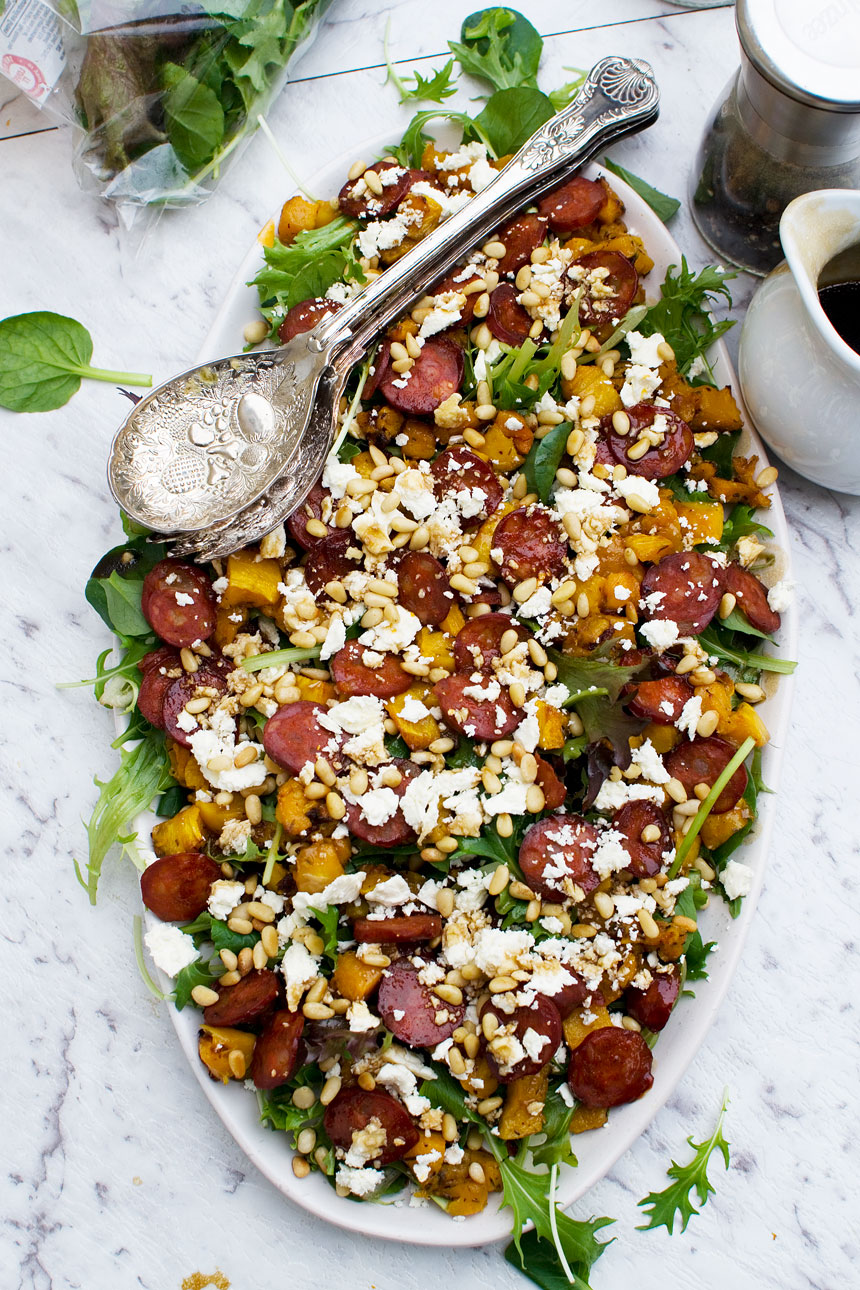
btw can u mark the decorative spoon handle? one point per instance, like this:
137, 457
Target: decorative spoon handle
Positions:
618, 97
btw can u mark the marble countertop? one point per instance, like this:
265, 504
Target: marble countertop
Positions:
104, 1180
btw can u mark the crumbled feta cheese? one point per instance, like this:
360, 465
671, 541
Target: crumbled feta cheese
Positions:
360, 1182
393, 637
234, 837
340, 891
780, 596
360, 1018
224, 896
220, 741
393, 891
300, 969
643, 490
640, 383
736, 879
660, 633
187, 721
691, 715
643, 349
335, 638
171, 949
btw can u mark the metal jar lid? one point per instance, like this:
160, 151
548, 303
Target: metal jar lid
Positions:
810, 51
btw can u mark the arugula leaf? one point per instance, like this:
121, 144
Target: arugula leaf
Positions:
411, 147
543, 460
312, 262
555, 1149
200, 972
511, 117
682, 315
435, 89
696, 953
143, 772
740, 523
663, 207
717, 641
661, 1207
193, 115
43, 359
565, 94
328, 920
499, 46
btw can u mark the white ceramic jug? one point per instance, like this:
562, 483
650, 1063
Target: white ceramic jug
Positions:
800, 380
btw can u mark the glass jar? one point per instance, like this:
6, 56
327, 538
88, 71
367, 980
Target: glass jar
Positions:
788, 123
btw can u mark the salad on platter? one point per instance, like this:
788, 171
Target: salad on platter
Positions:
448, 764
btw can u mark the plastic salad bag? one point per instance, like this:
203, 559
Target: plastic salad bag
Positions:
166, 92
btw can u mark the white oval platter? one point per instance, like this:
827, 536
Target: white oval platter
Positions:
597, 1151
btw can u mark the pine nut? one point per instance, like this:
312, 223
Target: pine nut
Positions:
335, 806
269, 941
583, 931
203, 996
487, 1107
707, 723
445, 900
621, 422
582, 606
537, 653
502, 984
243, 926
456, 1062
441, 746
504, 825
485, 411
676, 790
752, 693
766, 477
535, 800
639, 449
649, 927
727, 604
523, 591
665, 351
253, 811
317, 1012
195, 706
304, 1097
476, 1172
450, 993
703, 676
357, 169
604, 904
494, 250
651, 833
532, 911
189, 662
330, 1089
460, 583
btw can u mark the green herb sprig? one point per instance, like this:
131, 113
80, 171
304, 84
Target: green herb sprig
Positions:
662, 1207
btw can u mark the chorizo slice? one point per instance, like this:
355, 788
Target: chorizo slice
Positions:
329, 560
435, 375
462, 475
178, 602
533, 545
702, 761
686, 587
157, 659
305, 315
658, 462
542, 1018
317, 500
522, 236
573, 205
410, 1009
401, 929
477, 706
478, 643
653, 1006
248, 1004
661, 701
356, 199
611, 1066
556, 852
355, 1108
294, 736
352, 675
209, 676
630, 820
751, 596
507, 319
609, 282
422, 587
176, 888
278, 1051
154, 684
394, 831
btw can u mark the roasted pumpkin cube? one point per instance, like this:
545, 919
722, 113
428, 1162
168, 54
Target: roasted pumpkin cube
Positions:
453, 622
313, 690
354, 979
590, 380
588, 1117
551, 723
215, 1044
184, 831
424, 215
454, 1184
715, 409
623, 974
293, 812
482, 1081
525, 1099
436, 646
298, 215
664, 738
745, 723
317, 864
215, 817
717, 829
700, 521
230, 620
431, 1147
576, 1027
420, 442
483, 539
633, 248
183, 767
507, 441
252, 583
416, 734
651, 547
266, 235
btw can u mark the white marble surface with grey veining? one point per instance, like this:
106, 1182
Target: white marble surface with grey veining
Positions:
114, 1171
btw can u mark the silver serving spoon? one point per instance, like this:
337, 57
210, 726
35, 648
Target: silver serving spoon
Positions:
221, 453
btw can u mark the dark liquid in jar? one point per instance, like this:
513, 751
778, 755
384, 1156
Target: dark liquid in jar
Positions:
839, 293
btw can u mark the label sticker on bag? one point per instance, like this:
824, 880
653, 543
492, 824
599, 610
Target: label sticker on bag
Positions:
32, 55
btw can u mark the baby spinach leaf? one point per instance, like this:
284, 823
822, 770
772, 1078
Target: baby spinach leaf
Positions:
43, 359
663, 207
662, 1207
511, 117
122, 604
194, 116
171, 802
499, 46
737, 621
543, 460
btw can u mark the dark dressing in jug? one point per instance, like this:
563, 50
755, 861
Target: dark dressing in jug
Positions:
839, 293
